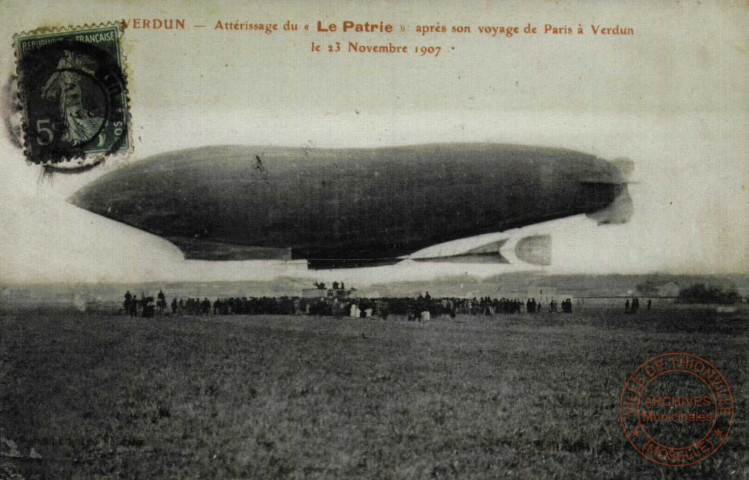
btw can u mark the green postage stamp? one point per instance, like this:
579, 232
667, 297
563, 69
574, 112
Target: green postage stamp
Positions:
73, 95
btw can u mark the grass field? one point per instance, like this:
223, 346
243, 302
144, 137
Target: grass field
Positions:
303, 397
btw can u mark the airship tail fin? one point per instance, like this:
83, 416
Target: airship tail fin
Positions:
626, 168
617, 212
620, 210
622, 175
489, 253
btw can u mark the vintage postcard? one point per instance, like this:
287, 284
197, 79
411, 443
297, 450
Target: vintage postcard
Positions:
333, 239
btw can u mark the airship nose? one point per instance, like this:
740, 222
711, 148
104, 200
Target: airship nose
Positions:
103, 198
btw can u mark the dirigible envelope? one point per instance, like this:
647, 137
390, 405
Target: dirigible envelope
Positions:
353, 207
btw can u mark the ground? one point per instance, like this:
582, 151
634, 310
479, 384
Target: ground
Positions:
302, 397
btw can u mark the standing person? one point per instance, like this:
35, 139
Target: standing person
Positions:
161, 302
650, 303
174, 306
144, 301
128, 299
626, 306
134, 306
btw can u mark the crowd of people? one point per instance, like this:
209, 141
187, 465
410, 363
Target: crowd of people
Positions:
634, 305
422, 307
145, 306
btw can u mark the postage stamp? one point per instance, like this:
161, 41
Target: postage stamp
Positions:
73, 95
676, 409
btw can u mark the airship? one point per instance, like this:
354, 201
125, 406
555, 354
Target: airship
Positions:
350, 208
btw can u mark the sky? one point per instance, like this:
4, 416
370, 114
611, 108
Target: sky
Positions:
672, 98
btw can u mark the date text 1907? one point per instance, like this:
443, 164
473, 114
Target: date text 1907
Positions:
389, 48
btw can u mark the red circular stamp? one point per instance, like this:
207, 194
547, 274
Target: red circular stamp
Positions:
676, 409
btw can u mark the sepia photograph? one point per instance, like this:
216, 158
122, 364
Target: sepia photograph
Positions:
376, 240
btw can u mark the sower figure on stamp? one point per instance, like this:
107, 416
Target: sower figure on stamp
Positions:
64, 86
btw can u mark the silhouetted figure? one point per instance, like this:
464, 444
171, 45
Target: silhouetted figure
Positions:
174, 306
567, 306
126, 304
205, 306
161, 302
650, 304
626, 306
133, 306
147, 310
